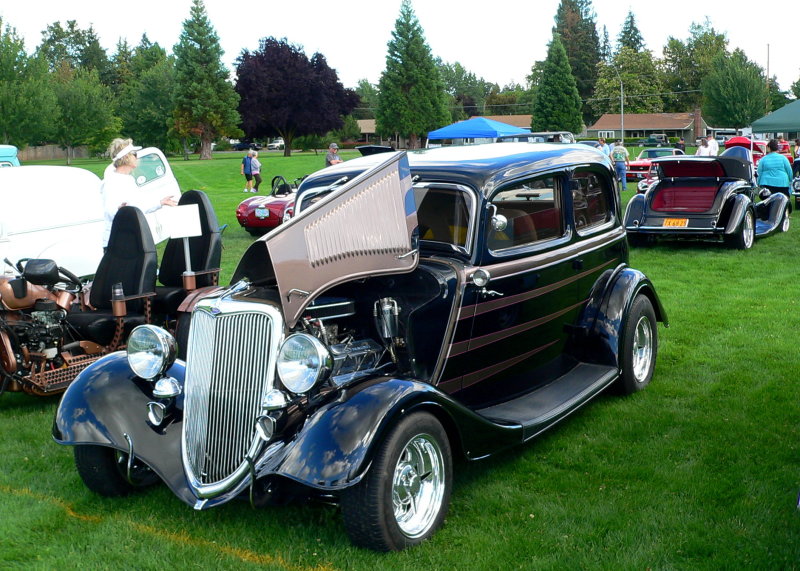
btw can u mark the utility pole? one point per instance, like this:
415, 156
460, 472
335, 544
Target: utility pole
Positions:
768, 97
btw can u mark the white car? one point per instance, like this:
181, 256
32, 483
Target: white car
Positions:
276, 145
56, 212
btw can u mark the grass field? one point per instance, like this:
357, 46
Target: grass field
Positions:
700, 471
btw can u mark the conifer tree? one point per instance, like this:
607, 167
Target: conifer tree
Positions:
630, 36
412, 98
557, 106
205, 102
575, 24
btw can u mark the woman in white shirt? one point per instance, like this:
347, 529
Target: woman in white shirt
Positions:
703, 150
119, 189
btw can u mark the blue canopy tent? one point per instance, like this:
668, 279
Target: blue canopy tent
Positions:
476, 128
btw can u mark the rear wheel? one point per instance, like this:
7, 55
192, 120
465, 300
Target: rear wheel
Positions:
105, 471
403, 498
639, 346
743, 238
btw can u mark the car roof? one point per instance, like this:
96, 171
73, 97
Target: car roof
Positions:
482, 167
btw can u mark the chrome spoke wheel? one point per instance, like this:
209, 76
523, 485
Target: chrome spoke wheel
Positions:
748, 231
786, 222
418, 486
642, 349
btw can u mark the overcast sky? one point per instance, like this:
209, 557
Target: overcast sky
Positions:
497, 40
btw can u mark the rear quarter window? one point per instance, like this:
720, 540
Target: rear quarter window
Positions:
533, 209
591, 200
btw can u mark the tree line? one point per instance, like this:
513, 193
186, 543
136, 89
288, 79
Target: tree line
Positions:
70, 92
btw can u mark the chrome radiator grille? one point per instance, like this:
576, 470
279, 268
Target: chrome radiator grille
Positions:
228, 370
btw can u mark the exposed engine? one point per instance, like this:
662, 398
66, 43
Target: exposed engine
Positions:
33, 337
37, 352
354, 352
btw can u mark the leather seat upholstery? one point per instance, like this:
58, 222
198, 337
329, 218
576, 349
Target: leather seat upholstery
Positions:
130, 259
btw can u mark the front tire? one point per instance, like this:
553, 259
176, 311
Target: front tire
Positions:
639, 346
104, 470
403, 498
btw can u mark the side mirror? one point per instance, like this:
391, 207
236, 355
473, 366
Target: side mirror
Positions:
499, 222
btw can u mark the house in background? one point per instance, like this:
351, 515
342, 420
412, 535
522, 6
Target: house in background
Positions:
369, 135
690, 126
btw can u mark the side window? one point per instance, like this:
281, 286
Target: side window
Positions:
533, 210
590, 200
443, 215
150, 168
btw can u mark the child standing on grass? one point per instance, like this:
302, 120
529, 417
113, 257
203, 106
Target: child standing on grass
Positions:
247, 171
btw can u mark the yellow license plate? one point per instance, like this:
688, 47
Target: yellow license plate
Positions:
676, 222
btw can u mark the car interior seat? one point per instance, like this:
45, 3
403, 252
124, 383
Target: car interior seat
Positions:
205, 252
129, 261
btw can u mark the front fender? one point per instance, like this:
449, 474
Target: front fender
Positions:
605, 316
769, 213
106, 405
336, 445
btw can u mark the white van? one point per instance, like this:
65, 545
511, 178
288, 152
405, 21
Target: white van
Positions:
56, 212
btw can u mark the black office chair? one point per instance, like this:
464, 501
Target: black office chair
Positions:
130, 260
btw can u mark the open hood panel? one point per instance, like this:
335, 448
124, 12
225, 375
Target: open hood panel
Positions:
362, 229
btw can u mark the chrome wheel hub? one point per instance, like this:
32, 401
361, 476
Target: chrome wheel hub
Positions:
418, 486
748, 231
642, 348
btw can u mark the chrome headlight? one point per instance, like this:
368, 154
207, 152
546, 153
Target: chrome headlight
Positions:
303, 361
796, 184
151, 351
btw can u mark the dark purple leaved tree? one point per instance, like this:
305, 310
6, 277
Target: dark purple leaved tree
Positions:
283, 93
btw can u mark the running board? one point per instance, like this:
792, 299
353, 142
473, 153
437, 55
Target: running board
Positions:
540, 409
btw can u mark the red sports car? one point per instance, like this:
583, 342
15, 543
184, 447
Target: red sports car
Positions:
637, 169
260, 214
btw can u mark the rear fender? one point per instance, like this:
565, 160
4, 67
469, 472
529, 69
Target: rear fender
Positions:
635, 211
604, 318
741, 204
106, 405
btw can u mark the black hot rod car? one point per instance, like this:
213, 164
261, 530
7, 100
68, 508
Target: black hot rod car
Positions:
447, 302
705, 198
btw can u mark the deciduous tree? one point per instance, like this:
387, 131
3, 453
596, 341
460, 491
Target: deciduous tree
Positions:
284, 93
205, 102
412, 98
735, 92
469, 92
27, 103
686, 63
557, 106
641, 84
77, 47
86, 110
368, 100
